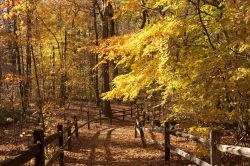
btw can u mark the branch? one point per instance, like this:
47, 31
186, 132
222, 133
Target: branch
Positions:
49, 30
98, 7
203, 25
144, 15
213, 3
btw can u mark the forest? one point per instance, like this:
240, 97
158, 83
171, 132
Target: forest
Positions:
130, 70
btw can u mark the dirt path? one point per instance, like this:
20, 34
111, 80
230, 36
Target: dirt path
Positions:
101, 145
106, 145
112, 145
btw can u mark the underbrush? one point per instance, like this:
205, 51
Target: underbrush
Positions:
9, 116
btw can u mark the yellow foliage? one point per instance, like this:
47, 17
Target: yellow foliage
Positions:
175, 58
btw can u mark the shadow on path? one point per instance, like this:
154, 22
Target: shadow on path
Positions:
108, 155
92, 156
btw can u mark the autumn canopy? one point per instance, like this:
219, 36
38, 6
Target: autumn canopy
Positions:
190, 57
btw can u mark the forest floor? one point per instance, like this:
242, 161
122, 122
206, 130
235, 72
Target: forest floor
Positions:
112, 145
106, 144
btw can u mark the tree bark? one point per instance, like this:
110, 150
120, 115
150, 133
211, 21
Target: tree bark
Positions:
1, 77
17, 66
97, 95
42, 71
53, 79
144, 16
105, 67
39, 101
63, 73
112, 33
27, 86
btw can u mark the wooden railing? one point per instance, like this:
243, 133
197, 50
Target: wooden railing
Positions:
63, 137
37, 150
214, 144
123, 113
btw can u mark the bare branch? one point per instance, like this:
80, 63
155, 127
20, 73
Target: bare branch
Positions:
203, 25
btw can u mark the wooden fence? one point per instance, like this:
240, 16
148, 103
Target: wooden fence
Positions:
150, 114
63, 138
213, 144
37, 150
121, 114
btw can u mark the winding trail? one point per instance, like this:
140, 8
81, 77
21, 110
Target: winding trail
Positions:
113, 145
107, 145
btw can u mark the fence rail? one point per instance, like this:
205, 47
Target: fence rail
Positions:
40, 142
214, 144
236, 150
37, 150
99, 117
22, 158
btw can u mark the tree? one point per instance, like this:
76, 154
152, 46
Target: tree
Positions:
191, 56
97, 95
107, 15
195, 57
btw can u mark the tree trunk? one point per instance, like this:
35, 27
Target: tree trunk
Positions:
97, 96
53, 79
112, 33
39, 101
105, 67
42, 71
63, 73
17, 66
11, 30
1, 77
27, 87
144, 15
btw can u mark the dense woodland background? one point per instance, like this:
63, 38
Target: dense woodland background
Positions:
187, 57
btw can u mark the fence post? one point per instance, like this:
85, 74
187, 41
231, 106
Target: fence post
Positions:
135, 130
159, 112
144, 118
162, 111
38, 137
215, 155
100, 117
69, 134
140, 108
76, 126
123, 115
111, 118
88, 119
148, 115
153, 114
131, 110
167, 141
142, 135
60, 139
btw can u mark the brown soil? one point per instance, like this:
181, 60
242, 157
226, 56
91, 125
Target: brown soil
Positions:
114, 145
